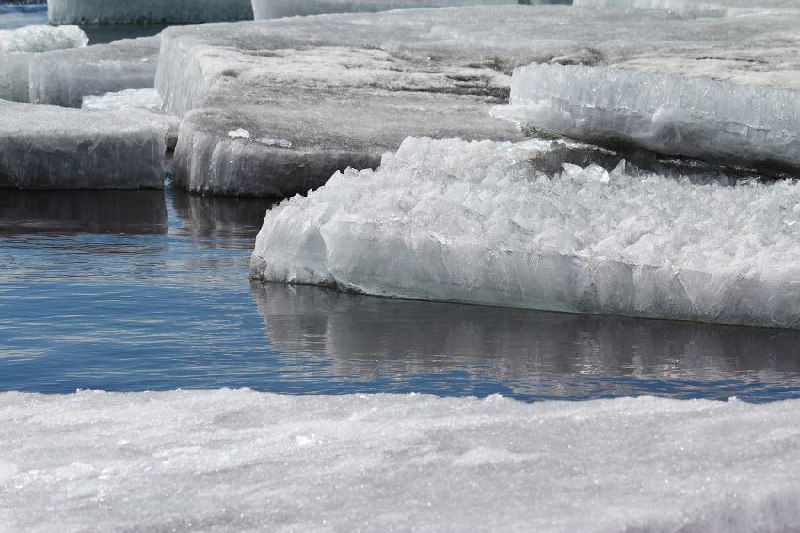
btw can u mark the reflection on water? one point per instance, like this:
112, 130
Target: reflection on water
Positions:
17, 16
127, 291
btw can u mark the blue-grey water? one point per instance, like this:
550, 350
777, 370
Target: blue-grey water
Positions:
131, 291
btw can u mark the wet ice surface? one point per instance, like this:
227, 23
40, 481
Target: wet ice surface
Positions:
240, 460
129, 291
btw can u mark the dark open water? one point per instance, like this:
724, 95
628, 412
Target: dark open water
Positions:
128, 291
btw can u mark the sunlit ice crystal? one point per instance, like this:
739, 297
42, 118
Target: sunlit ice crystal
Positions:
480, 223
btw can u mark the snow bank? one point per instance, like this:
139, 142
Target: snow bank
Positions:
268, 9
241, 460
142, 104
478, 223
64, 77
147, 11
741, 125
46, 147
41, 38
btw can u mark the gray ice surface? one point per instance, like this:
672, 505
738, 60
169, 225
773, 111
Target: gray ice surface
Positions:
49, 147
147, 11
64, 77
268, 9
326, 80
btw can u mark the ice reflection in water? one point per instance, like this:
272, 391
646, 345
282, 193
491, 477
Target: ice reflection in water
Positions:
131, 291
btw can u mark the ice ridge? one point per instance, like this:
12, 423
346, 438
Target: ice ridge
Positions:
479, 222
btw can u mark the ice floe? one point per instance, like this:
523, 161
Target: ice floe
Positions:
480, 223
239, 460
740, 125
48, 147
41, 38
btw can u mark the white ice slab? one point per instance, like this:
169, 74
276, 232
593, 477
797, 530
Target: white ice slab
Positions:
41, 38
476, 222
48, 147
268, 9
742, 125
242, 460
64, 77
147, 11
139, 104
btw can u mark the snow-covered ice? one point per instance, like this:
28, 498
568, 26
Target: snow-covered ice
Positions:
356, 84
480, 223
143, 104
267, 9
64, 77
147, 11
743, 125
242, 460
41, 38
48, 147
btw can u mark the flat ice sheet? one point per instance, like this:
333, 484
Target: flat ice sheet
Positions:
238, 460
479, 223
48, 147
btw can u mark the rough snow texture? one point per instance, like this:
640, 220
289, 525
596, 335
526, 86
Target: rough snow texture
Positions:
41, 38
47, 147
240, 460
147, 11
477, 222
731, 124
64, 77
140, 104
268, 9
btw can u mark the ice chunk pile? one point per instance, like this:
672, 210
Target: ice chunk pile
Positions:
41, 38
147, 11
47, 147
268, 9
478, 223
242, 460
741, 125
64, 77
142, 104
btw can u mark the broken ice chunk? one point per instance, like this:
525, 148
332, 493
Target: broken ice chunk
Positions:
48, 147
239, 133
41, 38
741, 125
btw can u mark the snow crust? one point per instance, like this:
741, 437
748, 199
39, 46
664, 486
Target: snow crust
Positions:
241, 460
480, 223
741, 125
147, 11
48, 147
64, 77
41, 38
140, 104
268, 9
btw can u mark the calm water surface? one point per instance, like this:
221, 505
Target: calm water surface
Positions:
129, 291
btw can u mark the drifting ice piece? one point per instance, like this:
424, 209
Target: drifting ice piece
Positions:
64, 77
147, 11
41, 38
46, 147
488, 463
475, 222
269, 9
742, 125
140, 104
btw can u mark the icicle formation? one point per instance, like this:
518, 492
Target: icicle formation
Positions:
743, 125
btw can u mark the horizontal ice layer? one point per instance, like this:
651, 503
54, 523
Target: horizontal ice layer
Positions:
721, 6
479, 223
741, 125
147, 11
268, 9
41, 38
64, 77
141, 104
242, 460
47, 147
